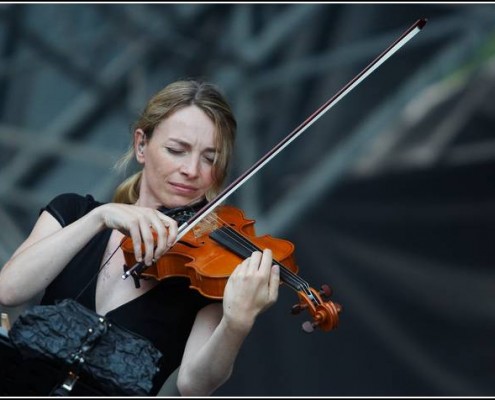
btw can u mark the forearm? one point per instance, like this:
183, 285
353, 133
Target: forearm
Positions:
49, 248
33, 267
250, 289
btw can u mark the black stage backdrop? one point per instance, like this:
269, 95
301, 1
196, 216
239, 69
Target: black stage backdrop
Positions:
410, 258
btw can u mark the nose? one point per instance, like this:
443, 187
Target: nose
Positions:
190, 166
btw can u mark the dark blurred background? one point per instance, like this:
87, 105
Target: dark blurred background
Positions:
388, 198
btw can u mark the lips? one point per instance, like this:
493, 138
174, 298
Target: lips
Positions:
182, 188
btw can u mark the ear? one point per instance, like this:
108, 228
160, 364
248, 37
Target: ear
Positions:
139, 145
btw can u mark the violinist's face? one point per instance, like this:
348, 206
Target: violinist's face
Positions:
178, 159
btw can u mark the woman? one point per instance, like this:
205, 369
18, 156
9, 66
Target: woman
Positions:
183, 141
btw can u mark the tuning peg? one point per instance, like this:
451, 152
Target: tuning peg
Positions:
309, 326
338, 307
325, 290
297, 308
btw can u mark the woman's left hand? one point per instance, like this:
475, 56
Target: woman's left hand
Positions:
250, 290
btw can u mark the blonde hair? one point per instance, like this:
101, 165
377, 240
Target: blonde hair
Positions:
162, 105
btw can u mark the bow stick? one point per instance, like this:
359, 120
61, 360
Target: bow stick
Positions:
379, 60
407, 35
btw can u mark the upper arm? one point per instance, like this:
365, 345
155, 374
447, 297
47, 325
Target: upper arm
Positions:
205, 323
44, 226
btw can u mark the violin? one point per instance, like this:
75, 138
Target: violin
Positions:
209, 253
210, 244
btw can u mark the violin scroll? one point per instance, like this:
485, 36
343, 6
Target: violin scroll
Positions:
208, 254
325, 313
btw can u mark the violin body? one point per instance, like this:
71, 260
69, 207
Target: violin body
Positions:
207, 263
209, 252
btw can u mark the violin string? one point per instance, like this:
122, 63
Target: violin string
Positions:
290, 278
212, 219
287, 276
248, 245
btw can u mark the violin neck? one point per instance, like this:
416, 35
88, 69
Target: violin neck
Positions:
243, 247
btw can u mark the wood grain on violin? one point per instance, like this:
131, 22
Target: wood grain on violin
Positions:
208, 254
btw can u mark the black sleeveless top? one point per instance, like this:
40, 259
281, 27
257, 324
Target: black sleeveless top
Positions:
164, 315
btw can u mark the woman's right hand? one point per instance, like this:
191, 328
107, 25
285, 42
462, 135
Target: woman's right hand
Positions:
139, 223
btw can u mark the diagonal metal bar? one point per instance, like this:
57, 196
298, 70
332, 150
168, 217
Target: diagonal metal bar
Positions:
114, 75
11, 235
23, 140
257, 48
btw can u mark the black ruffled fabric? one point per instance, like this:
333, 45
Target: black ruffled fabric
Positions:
121, 362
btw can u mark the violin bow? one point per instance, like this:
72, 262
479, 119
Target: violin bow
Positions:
412, 31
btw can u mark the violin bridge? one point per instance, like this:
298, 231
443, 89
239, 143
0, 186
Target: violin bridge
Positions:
206, 226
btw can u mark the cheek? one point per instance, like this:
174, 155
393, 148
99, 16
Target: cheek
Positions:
164, 165
208, 175
158, 171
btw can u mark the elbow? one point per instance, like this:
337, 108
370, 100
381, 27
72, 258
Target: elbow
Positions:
185, 388
6, 294
188, 386
5, 301
7, 297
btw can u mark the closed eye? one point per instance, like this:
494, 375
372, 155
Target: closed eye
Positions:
209, 159
174, 151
